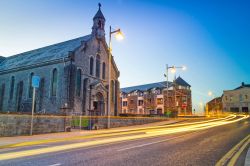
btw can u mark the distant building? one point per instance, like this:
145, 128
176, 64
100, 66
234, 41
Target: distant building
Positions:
237, 100
151, 99
74, 76
214, 106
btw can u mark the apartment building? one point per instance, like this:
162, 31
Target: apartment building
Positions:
156, 98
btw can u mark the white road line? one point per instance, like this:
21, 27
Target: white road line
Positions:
57, 164
151, 143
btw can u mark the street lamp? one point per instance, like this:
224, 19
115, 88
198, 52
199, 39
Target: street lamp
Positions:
118, 36
172, 70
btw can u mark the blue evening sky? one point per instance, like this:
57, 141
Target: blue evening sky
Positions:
212, 37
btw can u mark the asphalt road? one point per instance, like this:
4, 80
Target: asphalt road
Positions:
202, 147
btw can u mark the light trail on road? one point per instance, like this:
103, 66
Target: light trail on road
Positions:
150, 133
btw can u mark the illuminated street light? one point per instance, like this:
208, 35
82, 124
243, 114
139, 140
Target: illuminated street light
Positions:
118, 36
172, 70
210, 93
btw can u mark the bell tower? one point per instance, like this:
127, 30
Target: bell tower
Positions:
98, 24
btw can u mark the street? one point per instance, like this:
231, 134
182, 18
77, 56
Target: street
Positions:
191, 147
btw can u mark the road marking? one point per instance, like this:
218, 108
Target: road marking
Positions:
57, 164
103, 134
151, 143
232, 156
26, 153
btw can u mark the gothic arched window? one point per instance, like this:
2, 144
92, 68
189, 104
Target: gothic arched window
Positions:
78, 82
54, 82
103, 70
19, 94
2, 91
30, 85
12, 84
91, 66
97, 67
112, 92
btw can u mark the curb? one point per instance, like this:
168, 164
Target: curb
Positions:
232, 156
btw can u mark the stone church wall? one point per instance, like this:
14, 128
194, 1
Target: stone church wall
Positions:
45, 102
11, 125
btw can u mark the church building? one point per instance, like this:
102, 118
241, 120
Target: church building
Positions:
73, 76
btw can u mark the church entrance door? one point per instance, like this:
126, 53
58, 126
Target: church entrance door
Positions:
99, 105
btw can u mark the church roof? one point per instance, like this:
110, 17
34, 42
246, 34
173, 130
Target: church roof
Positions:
145, 87
45, 54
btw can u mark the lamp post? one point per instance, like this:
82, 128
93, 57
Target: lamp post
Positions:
173, 70
119, 36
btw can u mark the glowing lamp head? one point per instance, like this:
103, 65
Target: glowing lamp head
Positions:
119, 35
184, 68
173, 70
210, 93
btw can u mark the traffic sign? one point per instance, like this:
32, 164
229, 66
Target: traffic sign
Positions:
35, 81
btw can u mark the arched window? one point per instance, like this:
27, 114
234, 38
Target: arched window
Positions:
103, 70
54, 82
112, 91
97, 67
84, 95
30, 85
12, 84
19, 94
78, 82
91, 66
2, 91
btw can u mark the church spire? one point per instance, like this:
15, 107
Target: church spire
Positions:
98, 24
99, 13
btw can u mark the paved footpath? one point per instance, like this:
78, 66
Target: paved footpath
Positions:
5, 141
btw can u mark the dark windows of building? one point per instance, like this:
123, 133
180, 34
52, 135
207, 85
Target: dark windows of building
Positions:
19, 95
84, 94
241, 97
30, 85
78, 82
234, 109
140, 102
112, 91
103, 70
226, 98
2, 91
131, 101
54, 82
246, 97
125, 103
12, 84
91, 66
97, 67
245, 109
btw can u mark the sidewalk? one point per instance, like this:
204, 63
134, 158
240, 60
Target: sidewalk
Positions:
5, 141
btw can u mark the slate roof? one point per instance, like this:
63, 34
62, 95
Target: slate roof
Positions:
146, 87
48, 53
243, 86
2, 58
99, 14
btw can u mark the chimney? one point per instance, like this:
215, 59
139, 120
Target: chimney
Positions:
242, 84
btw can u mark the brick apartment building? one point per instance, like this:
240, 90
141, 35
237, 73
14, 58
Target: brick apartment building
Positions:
151, 99
214, 106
